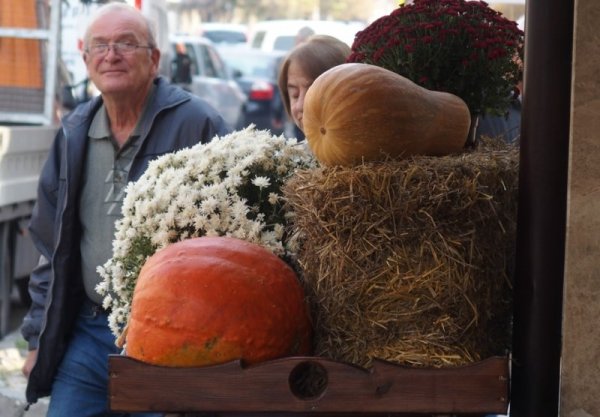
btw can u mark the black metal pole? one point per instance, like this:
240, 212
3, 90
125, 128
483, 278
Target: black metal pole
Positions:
542, 208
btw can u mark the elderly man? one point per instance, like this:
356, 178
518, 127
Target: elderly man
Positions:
102, 145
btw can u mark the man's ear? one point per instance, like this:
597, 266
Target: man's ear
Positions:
81, 49
155, 57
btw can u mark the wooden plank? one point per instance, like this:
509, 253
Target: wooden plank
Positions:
272, 386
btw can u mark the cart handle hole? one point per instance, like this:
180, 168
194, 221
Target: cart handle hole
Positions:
308, 380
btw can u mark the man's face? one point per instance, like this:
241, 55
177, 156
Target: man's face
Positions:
118, 71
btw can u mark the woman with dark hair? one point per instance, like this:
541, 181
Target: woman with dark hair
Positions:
302, 66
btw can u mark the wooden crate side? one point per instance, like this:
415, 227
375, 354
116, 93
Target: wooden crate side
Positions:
386, 388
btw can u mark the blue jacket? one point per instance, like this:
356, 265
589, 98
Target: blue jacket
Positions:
506, 128
175, 120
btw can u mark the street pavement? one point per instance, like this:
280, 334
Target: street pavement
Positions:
13, 349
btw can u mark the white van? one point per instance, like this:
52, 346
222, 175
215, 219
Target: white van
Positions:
280, 35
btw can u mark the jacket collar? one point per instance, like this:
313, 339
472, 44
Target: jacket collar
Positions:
166, 96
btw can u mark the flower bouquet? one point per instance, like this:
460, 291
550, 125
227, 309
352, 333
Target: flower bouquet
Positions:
228, 187
457, 46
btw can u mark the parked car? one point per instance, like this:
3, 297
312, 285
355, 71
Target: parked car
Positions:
228, 33
256, 72
211, 79
280, 35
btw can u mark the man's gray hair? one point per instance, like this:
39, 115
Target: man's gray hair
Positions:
120, 6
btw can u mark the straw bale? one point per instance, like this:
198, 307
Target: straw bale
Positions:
409, 260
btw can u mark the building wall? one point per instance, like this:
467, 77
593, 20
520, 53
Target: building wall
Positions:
580, 374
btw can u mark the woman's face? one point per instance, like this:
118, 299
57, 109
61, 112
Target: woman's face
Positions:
297, 85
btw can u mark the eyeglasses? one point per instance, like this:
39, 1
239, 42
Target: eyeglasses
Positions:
121, 48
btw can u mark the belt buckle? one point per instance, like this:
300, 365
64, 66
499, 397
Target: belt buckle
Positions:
97, 310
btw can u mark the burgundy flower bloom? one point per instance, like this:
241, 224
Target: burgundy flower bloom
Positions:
459, 46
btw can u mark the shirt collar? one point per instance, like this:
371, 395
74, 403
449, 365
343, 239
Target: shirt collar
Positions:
99, 128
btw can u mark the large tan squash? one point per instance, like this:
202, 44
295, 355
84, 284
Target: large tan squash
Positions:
359, 112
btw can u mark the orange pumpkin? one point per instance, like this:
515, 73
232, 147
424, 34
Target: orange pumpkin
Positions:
211, 300
359, 112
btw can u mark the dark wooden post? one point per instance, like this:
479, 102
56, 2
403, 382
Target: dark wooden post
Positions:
542, 208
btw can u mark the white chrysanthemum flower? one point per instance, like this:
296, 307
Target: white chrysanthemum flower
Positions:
273, 198
102, 287
106, 303
261, 182
211, 189
278, 230
209, 205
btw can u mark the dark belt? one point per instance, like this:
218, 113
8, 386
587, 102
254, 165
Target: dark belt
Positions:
91, 308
